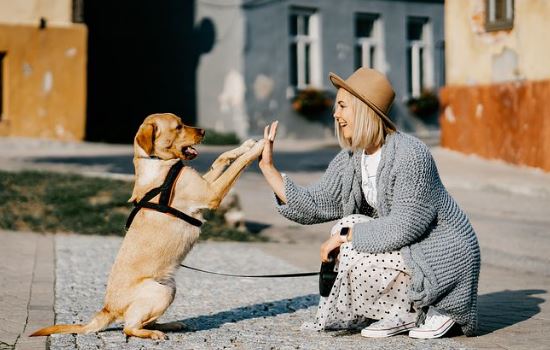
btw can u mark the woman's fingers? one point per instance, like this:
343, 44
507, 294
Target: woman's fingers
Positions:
273, 131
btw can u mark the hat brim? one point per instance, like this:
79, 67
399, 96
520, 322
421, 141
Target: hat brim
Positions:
340, 83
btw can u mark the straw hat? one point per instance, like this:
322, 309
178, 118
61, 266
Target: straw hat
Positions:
371, 87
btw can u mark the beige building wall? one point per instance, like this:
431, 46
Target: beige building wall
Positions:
30, 11
495, 103
475, 56
43, 70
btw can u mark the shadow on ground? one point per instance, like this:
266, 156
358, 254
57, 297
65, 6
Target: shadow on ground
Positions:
267, 309
505, 308
316, 160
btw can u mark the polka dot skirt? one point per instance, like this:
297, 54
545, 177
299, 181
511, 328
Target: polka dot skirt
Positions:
367, 287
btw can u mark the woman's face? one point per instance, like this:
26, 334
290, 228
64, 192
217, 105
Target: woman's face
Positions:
344, 113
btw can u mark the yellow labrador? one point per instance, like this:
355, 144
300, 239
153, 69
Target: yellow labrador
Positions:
141, 285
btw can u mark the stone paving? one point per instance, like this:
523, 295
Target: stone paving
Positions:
508, 206
221, 312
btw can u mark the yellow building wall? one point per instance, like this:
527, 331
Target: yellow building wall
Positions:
44, 85
56, 12
474, 56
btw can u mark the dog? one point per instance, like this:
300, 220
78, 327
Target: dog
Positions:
141, 284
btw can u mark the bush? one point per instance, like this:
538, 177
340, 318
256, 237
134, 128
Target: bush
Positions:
425, 105
212, 137
311, 103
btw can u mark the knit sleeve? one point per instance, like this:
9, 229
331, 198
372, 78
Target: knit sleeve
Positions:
412, 210
316, 203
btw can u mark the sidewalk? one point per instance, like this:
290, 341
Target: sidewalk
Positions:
508, 207
27, 294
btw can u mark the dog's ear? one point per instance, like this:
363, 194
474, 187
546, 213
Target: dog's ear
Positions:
145, 137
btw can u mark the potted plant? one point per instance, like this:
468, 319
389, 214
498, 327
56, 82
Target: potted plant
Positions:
424, 105
311, 103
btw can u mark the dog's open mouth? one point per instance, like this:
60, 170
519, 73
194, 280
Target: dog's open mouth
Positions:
189, 152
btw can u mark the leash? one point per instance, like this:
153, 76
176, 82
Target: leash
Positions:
163, 205
286, 275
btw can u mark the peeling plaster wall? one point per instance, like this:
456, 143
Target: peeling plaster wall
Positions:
474, 56
220, 75
495, 103
502, 121
44, 81
58, 12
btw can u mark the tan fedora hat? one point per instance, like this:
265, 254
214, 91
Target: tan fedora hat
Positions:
371, 87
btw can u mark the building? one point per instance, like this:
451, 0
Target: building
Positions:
498, 80
42, 70
266, 52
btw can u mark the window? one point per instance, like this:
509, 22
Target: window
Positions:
368, 41
419, 56
499, 14
304, 48
2, 68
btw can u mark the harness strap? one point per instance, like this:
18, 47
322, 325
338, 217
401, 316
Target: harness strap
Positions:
163, 206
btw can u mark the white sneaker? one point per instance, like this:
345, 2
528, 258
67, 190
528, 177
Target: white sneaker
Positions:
388, 327
435, 326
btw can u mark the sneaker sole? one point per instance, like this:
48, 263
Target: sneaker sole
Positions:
384, 333
431, 334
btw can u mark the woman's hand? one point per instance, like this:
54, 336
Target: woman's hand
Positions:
272, 175
266, 159
329, 245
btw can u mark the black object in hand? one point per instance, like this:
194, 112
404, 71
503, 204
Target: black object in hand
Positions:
327, 275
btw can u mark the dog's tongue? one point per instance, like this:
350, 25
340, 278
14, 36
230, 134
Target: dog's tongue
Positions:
190, 152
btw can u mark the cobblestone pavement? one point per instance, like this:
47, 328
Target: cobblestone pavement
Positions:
508, 207
221, 312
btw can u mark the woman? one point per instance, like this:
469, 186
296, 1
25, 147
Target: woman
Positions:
411, 261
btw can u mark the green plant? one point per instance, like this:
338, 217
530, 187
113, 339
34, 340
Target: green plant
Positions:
311, 102
425, 105
213, 137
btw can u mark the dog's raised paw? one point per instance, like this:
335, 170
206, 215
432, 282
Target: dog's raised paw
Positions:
248, 144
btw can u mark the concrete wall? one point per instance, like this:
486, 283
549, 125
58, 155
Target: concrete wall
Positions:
498, 84
44, 83
58, 12
220, 84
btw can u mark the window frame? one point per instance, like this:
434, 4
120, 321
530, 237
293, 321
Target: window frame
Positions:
421, 74
3, 81
307, 72
375, 40
492, 23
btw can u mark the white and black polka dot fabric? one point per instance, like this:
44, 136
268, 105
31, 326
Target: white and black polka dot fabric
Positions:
367, 287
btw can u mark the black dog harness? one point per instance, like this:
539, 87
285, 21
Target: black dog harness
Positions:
163, 205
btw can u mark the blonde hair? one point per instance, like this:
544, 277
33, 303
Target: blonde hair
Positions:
369, 130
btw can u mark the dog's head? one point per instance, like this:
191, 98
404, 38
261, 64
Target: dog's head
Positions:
166, 137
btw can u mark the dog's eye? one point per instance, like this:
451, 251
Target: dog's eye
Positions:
179, 127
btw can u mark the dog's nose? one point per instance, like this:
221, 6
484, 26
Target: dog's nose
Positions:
202, 132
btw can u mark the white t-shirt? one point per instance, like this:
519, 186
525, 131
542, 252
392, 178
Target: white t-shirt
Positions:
369, 167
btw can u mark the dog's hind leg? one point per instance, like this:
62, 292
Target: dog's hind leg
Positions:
150, 300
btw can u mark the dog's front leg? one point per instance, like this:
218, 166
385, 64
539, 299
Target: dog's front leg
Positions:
223, 184
225, 159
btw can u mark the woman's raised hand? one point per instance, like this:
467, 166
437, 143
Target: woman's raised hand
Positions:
266, 159
272, 175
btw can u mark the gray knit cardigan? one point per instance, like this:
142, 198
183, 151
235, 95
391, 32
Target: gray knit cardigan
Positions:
415, 214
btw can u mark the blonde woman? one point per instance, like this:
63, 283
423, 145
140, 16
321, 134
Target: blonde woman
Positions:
408, 255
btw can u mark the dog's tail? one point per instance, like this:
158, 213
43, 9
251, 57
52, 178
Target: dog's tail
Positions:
101, 320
